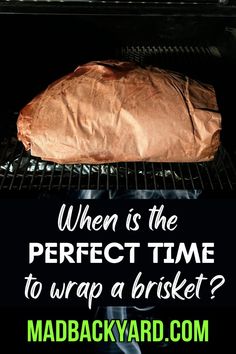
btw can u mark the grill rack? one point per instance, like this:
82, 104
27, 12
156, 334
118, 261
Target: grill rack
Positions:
21, 171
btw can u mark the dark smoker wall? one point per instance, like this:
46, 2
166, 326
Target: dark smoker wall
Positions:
38, 49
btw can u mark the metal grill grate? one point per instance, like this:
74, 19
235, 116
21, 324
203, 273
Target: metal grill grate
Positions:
197, 61
22, 172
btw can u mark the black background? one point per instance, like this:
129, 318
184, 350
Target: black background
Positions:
24, 221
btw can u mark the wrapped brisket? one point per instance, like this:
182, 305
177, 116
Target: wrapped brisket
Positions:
115, 111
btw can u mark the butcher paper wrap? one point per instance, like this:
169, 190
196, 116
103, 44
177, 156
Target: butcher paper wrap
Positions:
115, 111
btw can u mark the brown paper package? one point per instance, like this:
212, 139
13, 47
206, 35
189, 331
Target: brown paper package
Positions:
115, 111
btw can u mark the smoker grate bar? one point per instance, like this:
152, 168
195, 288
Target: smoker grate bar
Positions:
142, 53
20, 171
190, 60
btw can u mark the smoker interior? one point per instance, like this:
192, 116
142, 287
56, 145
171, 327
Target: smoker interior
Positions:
202, 47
